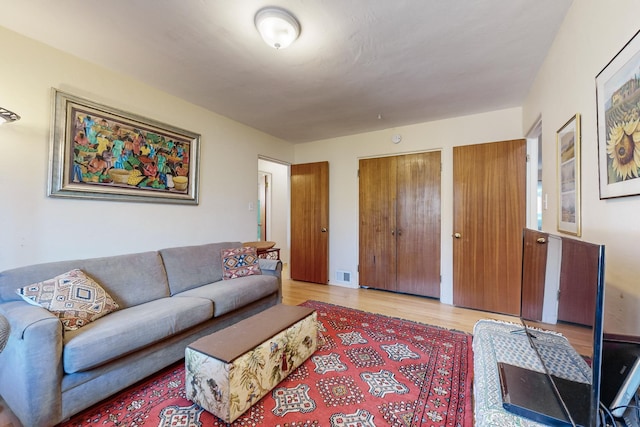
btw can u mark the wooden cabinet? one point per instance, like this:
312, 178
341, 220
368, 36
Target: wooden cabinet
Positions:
399, 223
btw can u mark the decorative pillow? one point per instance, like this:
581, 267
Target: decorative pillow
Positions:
240, 262
73, 296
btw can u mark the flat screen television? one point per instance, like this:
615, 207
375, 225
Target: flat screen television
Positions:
553, 265
621, 375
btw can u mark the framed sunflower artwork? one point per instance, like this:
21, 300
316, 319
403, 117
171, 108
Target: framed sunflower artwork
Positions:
568, 142
618, 114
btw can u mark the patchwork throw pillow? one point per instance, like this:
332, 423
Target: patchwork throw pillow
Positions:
72, 296
239, 262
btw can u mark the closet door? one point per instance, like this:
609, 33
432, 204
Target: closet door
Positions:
377, 259
399, 225
418, 224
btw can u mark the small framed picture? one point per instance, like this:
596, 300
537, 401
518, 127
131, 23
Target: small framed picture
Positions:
568, 142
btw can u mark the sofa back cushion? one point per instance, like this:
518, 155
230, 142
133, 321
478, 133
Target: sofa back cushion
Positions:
192, 266
130, 279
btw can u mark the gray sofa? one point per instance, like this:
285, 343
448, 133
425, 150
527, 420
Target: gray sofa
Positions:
167, 298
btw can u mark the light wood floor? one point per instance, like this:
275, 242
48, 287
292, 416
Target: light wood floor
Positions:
419, 309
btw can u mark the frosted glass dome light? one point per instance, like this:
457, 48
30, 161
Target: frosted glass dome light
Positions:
277, 27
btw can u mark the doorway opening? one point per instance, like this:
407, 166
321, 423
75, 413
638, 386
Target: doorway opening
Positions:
272, 213
536, 198
264, 205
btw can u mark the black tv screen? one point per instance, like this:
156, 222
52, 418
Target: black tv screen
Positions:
563, 283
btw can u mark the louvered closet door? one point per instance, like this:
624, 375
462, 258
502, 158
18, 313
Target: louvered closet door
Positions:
399, 225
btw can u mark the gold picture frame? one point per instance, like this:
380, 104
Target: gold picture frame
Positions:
568, 152
99, 152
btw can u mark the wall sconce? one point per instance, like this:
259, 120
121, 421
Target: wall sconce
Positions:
7, 116
277, 27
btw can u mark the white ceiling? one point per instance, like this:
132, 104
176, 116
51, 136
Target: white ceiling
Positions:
410, 61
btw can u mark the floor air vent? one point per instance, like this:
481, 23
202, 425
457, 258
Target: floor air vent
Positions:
343, 276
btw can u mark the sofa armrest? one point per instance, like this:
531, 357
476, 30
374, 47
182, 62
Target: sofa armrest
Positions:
31, 364
272, 267
22, 315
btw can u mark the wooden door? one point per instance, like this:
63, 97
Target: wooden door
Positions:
399, 226
309, 256
489, 216
534, 269
377, 240
418, 224
578, 281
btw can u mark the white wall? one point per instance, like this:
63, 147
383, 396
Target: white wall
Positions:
35, 228
591, 35
343, 155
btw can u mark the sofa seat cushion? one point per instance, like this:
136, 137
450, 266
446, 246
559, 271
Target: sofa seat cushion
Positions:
228, 295
128, 330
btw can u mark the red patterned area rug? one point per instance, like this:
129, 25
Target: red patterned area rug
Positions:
369, 370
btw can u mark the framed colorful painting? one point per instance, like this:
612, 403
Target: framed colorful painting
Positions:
98, 152
568, 142
618, 114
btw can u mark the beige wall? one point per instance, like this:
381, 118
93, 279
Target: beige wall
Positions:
35, 228
592, 33
343, 155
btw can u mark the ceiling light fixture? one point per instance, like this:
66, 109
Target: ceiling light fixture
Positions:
7, 116
278, 27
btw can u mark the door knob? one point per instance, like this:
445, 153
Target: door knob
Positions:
323, 229
457, 235
541, 240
